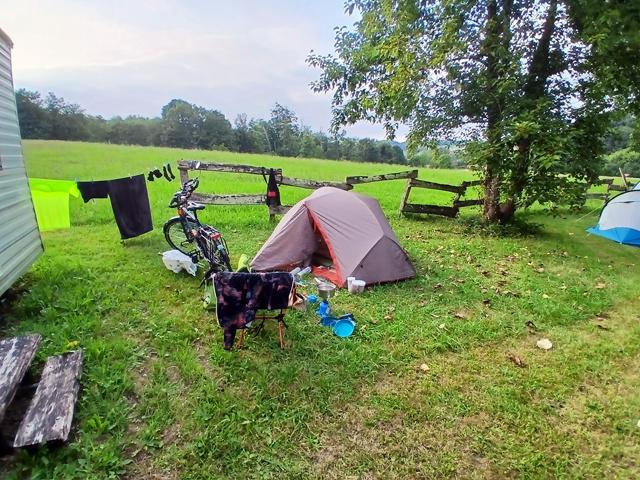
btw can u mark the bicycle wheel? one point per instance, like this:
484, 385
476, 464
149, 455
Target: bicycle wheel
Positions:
176, 238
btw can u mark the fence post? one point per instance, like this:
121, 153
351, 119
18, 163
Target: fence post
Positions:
405, 195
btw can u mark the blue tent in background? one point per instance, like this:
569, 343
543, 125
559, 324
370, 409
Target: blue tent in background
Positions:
620, 219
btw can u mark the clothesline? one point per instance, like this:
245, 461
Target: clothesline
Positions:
128, 196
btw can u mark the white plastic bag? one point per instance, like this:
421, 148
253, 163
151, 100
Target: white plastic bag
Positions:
175, 261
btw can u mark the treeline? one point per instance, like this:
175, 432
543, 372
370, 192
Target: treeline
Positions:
622, 145
185, 125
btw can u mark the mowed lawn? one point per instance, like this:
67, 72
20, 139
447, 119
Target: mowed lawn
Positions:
427, 387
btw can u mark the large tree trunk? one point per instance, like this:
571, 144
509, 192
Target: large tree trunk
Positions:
534, 90
491, 180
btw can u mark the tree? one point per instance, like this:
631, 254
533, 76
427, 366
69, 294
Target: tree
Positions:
283, 131
67, 121
619, 133
528, 84
626, 159
179, 124
214, 131
34, 121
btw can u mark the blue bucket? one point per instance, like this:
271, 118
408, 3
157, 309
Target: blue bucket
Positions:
344, 326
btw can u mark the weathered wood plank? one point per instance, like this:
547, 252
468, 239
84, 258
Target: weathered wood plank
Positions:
471, 183
624, 178
225, 167
232, 199
430, 209
184, 175
16, 355
405, 195
50, 413
355, 180
468, 203
603, 181
617, 188
279, 210
312, 184
437, 186
598, 196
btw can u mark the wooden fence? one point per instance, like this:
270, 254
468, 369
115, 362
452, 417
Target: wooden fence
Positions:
444, 210
611, 187
459, 191
184, 166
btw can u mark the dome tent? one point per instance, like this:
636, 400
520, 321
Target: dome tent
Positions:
620, 219
345, 229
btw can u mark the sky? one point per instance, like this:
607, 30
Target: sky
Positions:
121, 57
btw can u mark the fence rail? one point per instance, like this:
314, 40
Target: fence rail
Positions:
411, 176
444, 210
184, 166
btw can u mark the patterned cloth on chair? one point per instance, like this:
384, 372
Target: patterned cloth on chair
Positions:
240, 295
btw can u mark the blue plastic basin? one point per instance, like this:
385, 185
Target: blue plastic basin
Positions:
344, 327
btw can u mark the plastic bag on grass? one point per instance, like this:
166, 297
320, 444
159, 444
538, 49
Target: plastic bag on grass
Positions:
175, 261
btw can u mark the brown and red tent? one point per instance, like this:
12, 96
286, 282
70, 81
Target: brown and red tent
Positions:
341, 234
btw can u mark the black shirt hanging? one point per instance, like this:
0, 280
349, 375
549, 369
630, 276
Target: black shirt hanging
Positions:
130, 204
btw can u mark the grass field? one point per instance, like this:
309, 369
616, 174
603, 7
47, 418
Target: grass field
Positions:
424, 389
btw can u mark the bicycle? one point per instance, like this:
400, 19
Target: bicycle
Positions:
185, 231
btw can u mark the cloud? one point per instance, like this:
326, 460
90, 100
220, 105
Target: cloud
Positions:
122, 58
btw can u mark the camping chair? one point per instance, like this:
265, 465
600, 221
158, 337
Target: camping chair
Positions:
239, 296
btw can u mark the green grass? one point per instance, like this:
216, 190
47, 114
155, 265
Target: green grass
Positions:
161, 399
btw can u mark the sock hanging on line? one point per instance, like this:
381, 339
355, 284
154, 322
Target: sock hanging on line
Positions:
170, 172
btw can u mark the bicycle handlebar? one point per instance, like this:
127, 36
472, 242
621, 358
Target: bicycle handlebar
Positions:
181, 197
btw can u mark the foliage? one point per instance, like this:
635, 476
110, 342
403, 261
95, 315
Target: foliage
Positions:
161, 399
528, 84
626, 159
187, 125
620, 134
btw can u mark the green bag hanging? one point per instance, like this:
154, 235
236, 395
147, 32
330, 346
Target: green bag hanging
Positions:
209, 300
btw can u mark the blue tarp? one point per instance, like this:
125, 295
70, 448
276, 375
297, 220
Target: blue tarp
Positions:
628, 236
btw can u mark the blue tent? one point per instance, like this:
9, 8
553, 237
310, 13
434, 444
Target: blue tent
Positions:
620, 219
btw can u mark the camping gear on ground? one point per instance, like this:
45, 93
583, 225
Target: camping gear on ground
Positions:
357, 286
184, 232
349, 282
129, 201
240, 295
342, 326
50, 412
326, 290
620, 219
51, 202
176, 261
343, 229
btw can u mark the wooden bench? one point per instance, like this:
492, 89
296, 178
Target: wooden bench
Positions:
51, 411
16, 355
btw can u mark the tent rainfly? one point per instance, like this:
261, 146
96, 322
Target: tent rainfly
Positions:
620, 219
341, 234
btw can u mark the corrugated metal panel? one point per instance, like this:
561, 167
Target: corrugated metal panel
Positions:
20, 242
